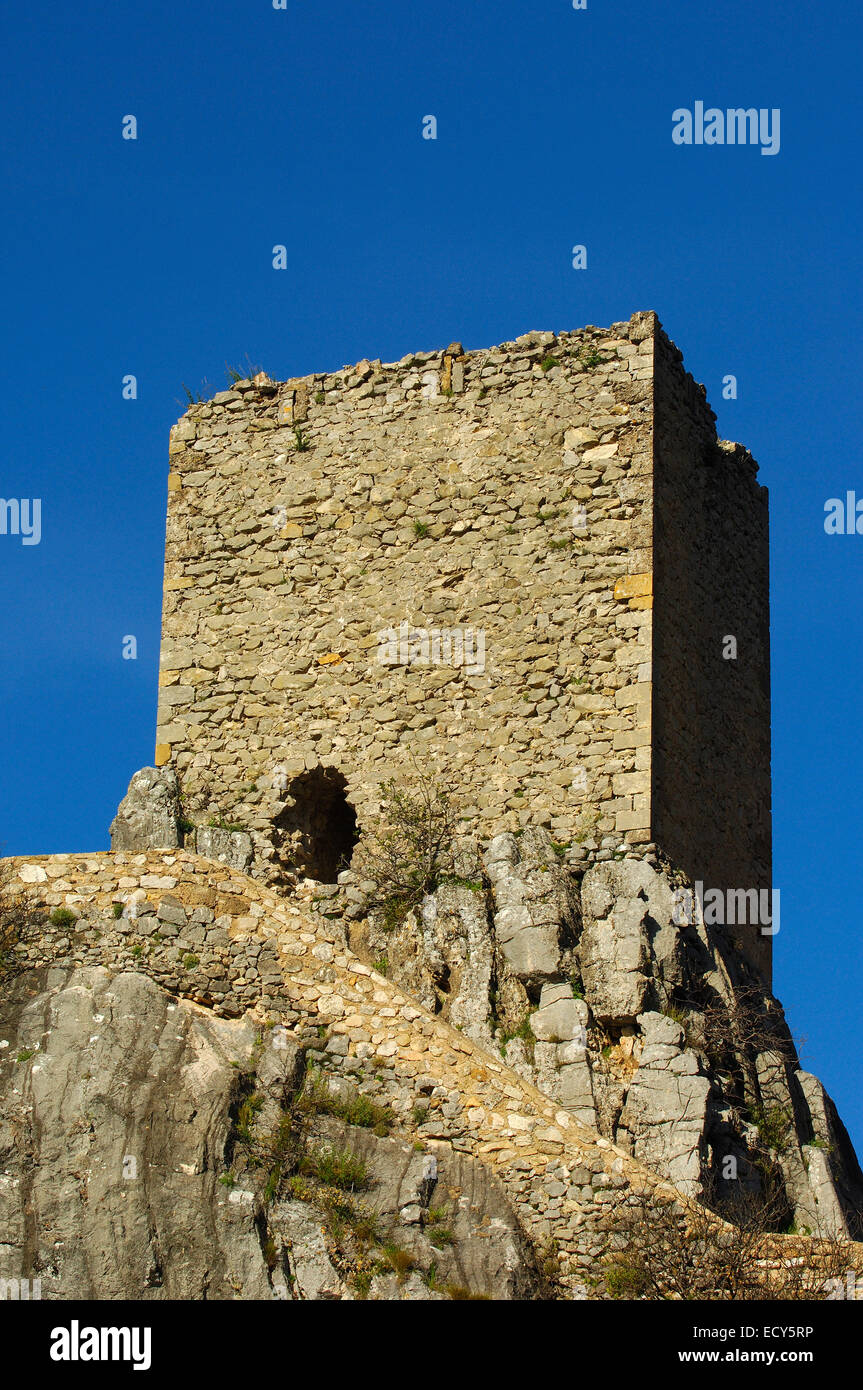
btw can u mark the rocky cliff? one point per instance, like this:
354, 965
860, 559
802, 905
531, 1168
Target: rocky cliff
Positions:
213, 1090
658, 1035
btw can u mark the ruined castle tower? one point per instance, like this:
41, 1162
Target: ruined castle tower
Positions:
531, 571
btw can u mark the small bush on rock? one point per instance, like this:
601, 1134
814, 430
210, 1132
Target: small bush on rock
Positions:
411, 850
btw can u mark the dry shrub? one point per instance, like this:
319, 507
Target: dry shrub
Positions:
671, 1250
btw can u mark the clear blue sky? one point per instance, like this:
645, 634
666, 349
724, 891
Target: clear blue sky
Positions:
303, 127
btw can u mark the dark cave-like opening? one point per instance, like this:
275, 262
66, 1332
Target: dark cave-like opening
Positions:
317, 830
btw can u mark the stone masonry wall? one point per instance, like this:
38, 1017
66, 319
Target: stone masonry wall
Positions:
507, 492
445, 566
711, 712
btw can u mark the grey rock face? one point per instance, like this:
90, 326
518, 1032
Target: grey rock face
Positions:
561, 1060
454, 903
442, 953
118, 1129
148, 814
628, 939
484, 1250
657, 1034
560, 1018
301, 1233
112, 1139
666, 1107
531, 902
231, 847
833, 1180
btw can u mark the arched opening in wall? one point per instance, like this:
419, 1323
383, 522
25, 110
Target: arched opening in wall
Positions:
316, 832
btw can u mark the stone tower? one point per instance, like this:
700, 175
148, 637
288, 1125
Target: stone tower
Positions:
533, 572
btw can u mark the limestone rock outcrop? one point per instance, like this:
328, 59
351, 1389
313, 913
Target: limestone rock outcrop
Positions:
149, 814
119, 1126
657, 1034
211, 1090
115, 1112
531, 906
150, 817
